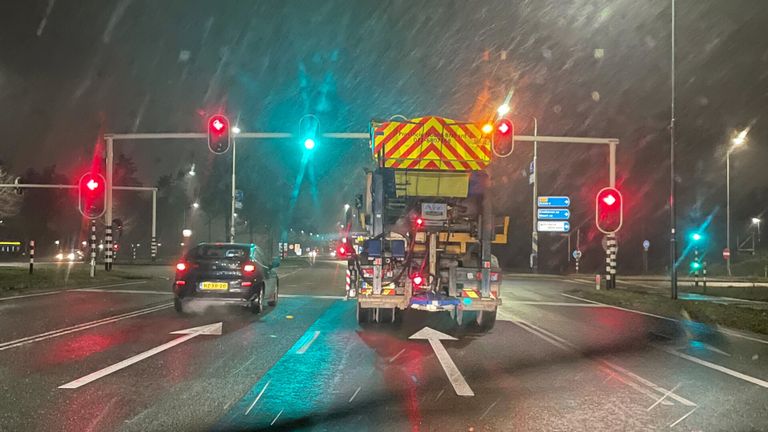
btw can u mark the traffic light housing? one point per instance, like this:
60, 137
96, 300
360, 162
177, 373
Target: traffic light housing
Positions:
92, 194
609, 209
503, 138
218, 134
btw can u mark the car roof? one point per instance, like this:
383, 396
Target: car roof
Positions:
248, 245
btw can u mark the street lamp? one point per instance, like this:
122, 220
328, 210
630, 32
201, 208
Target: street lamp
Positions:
196, 205
236, 130
736, 142
186, 233
192, 171
756, 221
503, 109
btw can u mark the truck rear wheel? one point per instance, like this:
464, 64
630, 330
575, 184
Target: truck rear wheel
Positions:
363, 314
486, 320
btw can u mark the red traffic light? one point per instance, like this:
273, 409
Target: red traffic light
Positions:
609, 209
503, 139
91, 195
218, 134
419, 222
417, 280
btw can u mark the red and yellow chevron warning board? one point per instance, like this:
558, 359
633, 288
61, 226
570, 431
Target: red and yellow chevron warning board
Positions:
431, 143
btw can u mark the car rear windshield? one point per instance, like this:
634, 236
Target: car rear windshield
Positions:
218, 252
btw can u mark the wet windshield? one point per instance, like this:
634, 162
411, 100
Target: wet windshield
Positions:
383, 215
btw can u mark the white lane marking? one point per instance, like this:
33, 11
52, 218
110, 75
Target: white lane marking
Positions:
67, 290
434, 338
396, 355
580, 282
439, 394
663, 397
305, 347
122, 291
650, 384
210, 329
683, 417
741, 335
720, 329
258, 397
565, 345
621, 308
489, 409
289, 274
312, 296
78, 327
544, 303
276, 417
714, 349
355, 394
717, 367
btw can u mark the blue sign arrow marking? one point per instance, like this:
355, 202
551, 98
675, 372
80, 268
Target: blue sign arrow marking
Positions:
554, 201
554, 214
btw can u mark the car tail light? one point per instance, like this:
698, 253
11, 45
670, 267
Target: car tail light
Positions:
247, 284
181, 282
181, 266
249, 268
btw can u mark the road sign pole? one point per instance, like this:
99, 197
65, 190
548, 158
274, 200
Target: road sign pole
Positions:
232, 213
534, 231
108, 213
93, 247
153, 241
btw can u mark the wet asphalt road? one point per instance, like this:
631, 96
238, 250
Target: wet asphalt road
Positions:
551, 363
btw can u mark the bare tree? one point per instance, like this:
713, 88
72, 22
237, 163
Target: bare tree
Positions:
10, 201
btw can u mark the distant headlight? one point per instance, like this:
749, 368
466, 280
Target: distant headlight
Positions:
71, 256
60, 256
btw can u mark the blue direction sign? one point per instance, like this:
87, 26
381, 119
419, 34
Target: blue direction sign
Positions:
554, 201
553, 226
554, 214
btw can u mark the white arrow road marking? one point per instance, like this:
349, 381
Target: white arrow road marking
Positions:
454, 376
210, 329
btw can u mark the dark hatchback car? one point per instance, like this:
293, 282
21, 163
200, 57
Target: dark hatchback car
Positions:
226, 273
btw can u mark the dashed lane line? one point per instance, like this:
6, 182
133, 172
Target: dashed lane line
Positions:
75, 328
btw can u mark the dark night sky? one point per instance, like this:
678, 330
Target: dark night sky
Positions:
71, 69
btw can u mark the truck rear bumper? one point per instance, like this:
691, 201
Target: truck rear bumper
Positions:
429, 303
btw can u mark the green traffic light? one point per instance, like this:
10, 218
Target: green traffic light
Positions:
309, 144
695, 265
696, 236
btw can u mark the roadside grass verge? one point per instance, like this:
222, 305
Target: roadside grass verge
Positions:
16, 280
732, 316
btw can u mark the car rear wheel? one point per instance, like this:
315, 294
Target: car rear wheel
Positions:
273, 302
257, 304
178, 305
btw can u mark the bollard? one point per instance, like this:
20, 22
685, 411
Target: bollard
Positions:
704, 272
31, 256
597, 281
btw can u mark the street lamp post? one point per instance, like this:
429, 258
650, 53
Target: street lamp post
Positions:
756, 221
735, 142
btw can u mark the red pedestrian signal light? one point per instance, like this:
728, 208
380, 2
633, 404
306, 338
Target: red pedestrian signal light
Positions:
92, 195
218, 134
503, 138
609, 210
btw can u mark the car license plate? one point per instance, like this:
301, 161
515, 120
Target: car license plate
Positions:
215, 286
